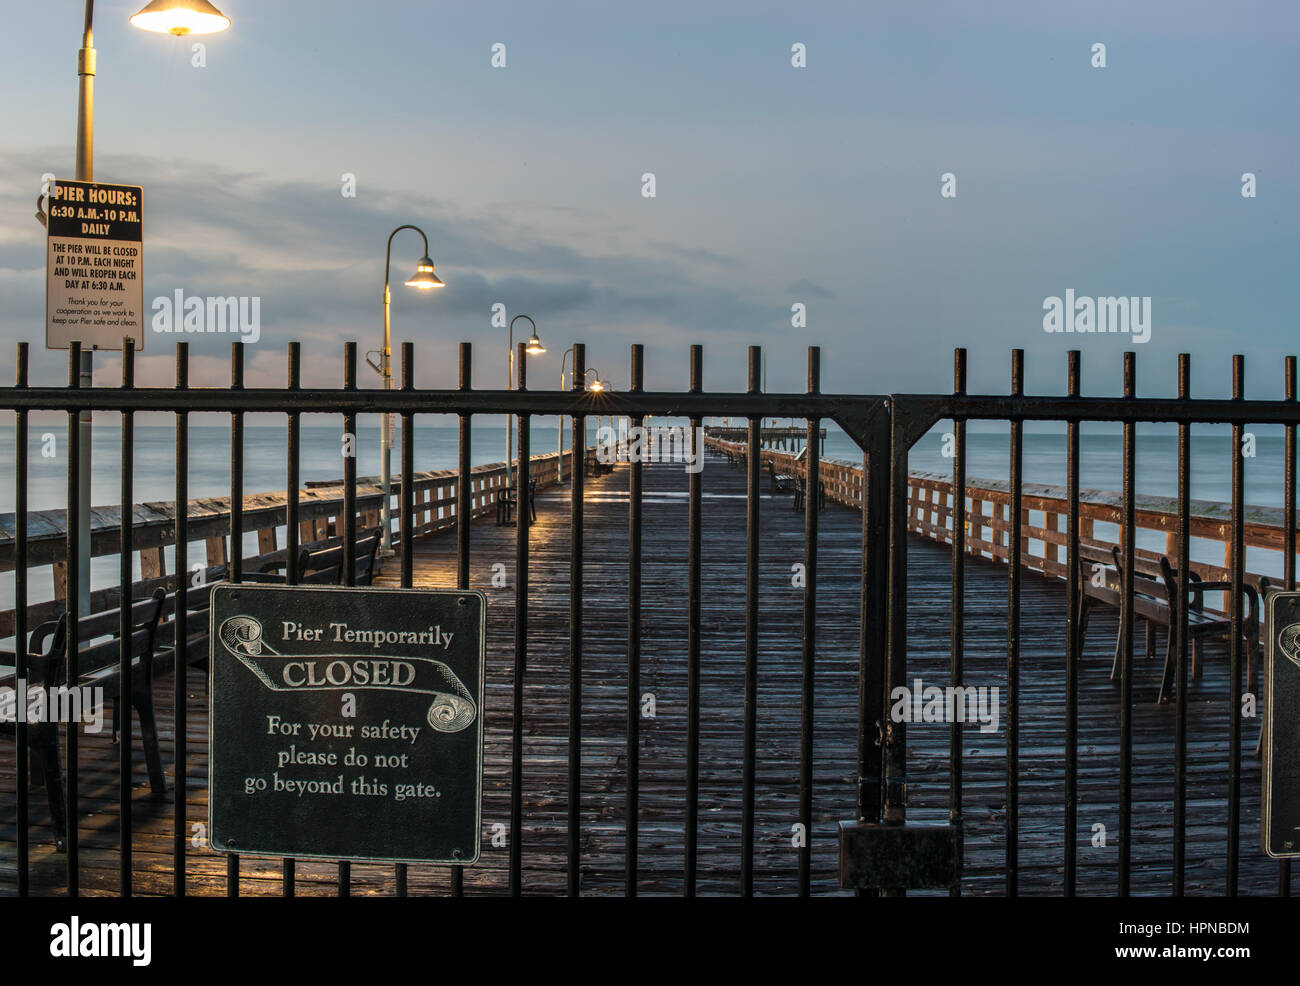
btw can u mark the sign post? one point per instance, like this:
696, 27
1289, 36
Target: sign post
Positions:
94, 278
1281, 823
346, 723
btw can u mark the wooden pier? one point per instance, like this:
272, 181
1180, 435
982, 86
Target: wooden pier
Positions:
663, 677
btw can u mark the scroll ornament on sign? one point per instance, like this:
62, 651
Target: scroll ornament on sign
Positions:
453, 707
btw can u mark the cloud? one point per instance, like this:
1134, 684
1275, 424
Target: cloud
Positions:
316, 261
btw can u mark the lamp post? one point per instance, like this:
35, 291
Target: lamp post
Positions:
605, 388
179, 17
595, 388
424, 279
534, 348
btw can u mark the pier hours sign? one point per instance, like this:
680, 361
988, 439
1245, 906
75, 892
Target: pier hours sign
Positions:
346, 723
1282, 726
94, 265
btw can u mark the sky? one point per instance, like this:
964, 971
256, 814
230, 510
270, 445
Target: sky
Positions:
775, 185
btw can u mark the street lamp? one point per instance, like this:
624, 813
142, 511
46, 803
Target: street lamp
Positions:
595, 388
534, 348
180, 17
424, 279
174, 17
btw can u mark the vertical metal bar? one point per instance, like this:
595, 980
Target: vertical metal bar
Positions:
957, 625
693, 598
749, 769
236, 564
349, 531
125, 627
70, 615
1015, 535
1288, 561
464, 492
1126, 633
1235, 650
289, 869
1073, 641
522, 478
20, 622
406, 504
576, 493
895, 733
812, 509
464, 518
873, 653
180, 833
633, 798
1179, 629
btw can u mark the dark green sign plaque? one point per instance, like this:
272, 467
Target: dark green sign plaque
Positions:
1282, 725
346, 723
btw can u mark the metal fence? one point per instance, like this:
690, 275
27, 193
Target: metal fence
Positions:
885, 427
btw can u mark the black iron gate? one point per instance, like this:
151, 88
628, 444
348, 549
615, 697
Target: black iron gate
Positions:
881, 852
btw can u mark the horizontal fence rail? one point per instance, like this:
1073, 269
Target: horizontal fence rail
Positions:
321, 514
987, 502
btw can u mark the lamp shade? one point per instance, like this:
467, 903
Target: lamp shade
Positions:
534, 346
424, 278
180, 17
596, 386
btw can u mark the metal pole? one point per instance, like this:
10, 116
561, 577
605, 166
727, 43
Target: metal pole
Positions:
510, 385
386, 427
85, 172
559, 426
385, 369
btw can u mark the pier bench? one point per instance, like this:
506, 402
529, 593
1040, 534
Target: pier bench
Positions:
98, 666
781, 482
801, 495
1156, 599
1202, 623
321, 562
508, 499
595, 467
42, 737
198, 601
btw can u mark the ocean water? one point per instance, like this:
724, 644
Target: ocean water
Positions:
1101, 467
265, 458
265, 469
436, 448
987, 457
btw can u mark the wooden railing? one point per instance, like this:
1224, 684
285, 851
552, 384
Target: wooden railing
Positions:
1043, 516
320, 514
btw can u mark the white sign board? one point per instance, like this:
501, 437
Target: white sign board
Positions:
94, 265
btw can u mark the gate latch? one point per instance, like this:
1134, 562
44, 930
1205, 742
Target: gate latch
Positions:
898, 857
